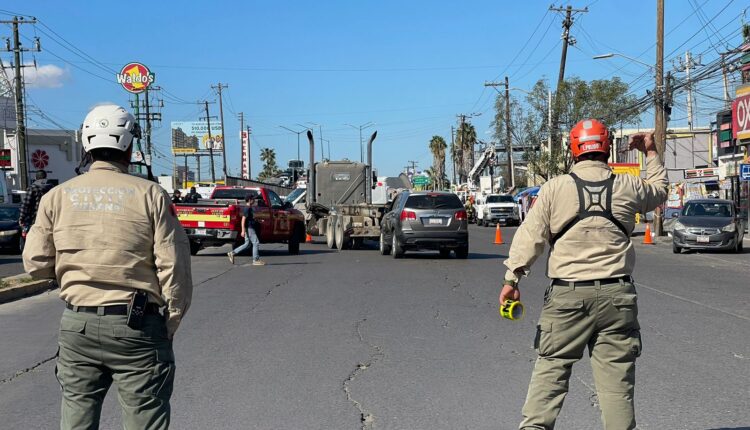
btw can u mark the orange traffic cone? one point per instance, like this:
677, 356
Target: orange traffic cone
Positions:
308, 239
647, 240
498, 235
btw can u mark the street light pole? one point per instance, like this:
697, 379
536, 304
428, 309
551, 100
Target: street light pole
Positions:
297, 133
361, 144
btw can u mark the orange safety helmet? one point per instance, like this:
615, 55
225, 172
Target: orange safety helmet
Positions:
588, 136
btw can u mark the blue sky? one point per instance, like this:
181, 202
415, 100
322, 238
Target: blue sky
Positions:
408, 66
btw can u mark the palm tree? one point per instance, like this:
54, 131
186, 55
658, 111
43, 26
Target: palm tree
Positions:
270, 169
438, 147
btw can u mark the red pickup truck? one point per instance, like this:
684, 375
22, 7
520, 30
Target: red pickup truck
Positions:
218, 220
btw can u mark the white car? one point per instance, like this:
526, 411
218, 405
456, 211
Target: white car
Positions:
498, 208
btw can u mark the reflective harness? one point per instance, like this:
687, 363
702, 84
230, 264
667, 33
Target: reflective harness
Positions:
594, 199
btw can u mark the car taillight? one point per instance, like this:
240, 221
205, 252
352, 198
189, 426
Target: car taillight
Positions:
461, 215
406, 214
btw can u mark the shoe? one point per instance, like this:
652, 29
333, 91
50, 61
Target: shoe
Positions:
231, 257
259, 263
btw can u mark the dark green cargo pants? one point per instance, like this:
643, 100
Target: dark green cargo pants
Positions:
98, 350
602, 318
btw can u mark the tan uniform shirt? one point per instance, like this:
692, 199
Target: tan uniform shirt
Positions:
104, 234
594, 248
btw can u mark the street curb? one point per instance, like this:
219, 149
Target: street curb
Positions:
24, 290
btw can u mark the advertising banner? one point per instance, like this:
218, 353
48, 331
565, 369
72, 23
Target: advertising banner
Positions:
245, 139
191, 137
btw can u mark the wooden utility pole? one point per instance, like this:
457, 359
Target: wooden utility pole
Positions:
508, 141
23, 170
660, 126
210, 145
567, 40
218, 88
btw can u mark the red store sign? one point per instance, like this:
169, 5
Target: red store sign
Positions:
741, 115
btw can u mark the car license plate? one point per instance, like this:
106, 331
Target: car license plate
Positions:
703, 239
501, 220
200, 231
436, 221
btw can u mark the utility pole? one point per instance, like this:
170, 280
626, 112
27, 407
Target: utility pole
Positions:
567, 40
727, 101
23, 171
218, 88
210, 145
685, 66
660, 126
413, 167
453, 154
509, 142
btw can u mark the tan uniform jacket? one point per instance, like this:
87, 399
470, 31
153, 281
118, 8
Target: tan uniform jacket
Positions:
104, 234
594, 248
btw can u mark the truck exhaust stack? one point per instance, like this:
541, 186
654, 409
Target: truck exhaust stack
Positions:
311, 166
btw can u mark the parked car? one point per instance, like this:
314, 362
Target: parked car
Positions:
10, 229
425, 220
708, 224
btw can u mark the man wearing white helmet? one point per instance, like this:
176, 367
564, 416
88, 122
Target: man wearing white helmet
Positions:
113, 243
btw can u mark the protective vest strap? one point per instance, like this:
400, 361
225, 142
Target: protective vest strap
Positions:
594, 199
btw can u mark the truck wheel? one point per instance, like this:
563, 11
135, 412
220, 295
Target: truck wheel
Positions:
330, 232
385, 248
194, 247
397, 251
295, 239
357, 242
342, 242
462, 252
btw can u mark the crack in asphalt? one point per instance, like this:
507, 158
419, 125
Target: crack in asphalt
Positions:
271, 290
366, 418
437, 317
27, 370
466, 290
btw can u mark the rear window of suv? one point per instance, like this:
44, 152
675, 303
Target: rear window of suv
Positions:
434, 201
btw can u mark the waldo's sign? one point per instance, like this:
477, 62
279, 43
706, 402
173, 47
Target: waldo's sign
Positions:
135, 77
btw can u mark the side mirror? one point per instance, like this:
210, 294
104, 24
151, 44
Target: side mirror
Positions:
675, 215
287, 205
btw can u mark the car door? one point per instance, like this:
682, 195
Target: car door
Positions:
281, 225
264, 217
390, 218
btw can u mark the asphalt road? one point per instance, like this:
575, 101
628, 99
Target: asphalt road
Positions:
329, 340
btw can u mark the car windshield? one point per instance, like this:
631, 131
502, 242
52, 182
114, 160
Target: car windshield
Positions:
233, 193
712, 209
9, 214
500, 199
294, 194
434, 201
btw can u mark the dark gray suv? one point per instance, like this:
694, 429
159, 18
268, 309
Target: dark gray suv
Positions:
708, 224
425, 220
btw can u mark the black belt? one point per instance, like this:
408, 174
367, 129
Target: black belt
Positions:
560, 282
151, 309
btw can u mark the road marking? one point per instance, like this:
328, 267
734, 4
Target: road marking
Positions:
725, 261
695, 302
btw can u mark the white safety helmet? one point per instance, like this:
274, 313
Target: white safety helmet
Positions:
109, 126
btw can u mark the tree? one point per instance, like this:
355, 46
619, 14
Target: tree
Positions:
602, 99
438, 147
270, 169
466, 139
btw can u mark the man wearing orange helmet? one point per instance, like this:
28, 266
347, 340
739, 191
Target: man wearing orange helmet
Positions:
587, 217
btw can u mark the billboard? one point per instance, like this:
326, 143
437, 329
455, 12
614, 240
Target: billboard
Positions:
245, 139
191, 137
